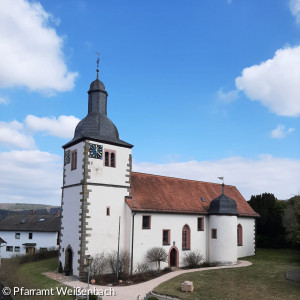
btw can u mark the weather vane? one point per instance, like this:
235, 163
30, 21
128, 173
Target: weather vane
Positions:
222, 178
98, 60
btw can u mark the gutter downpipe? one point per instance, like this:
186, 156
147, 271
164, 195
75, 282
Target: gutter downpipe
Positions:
132, 236
208, 240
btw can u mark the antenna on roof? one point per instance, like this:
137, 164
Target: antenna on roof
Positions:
222, 178
98, 60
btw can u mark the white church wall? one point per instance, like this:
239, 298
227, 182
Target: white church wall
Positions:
99, 173
71, 224
107, 191
104, 233
74, 176
144, 239
223, 249
128, 228
248, 247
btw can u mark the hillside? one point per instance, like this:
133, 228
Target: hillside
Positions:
25, 206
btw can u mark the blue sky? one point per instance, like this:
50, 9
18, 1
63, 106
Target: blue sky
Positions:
201, 88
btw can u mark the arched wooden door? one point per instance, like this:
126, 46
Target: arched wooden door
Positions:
69, 261
173, 257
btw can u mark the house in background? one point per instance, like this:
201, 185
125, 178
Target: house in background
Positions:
29, 233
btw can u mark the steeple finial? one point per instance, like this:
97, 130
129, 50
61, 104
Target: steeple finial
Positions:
98, 60
222, 178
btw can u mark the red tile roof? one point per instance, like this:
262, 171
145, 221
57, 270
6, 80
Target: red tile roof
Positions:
155, 193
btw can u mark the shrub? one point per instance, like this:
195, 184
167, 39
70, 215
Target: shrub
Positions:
167, 270
193, 259
142, 268
38, 255
60, 268
99, 264
157, 254
124, 262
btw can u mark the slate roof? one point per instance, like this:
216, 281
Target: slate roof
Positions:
51, 223
223, 205
154, 193
96, 125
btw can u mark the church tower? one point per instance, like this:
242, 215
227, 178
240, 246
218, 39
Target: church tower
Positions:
96, 180
222, 230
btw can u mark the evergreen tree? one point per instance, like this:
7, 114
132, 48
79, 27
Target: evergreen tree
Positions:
270, 231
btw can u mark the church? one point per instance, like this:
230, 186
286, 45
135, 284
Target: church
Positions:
102, 197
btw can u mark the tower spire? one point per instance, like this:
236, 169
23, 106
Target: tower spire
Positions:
98, 60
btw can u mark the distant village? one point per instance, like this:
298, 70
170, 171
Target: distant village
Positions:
28, 228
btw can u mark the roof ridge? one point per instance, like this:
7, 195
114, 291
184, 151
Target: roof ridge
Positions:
185, 179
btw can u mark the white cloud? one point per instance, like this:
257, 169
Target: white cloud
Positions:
295, 9
30, 177
227, 97
16, 134
62, 127
290, 130
280, 132
35, 177
3, 100
275, 82
12, 135
279, 176
31, 49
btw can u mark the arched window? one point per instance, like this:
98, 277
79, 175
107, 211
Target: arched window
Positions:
186, 237
239, 235
109, 158
112, 160
74, 160
106, 159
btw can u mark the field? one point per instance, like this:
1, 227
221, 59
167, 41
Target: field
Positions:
28, 275
265, 279
24, 206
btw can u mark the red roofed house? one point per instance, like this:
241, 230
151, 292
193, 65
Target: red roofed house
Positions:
99, 189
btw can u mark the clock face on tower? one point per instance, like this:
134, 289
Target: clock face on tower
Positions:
95, 151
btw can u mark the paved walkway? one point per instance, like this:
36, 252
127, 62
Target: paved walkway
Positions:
131, 292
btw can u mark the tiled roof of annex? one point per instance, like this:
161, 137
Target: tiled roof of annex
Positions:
162, 194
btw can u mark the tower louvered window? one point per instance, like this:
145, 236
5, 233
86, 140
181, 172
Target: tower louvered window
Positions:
74, 160
110, 158
106, 159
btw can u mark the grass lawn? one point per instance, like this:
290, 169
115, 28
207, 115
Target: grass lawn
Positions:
265, 279
32, 278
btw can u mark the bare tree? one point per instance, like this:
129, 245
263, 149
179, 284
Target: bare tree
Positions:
124, 263
99, 264
157, 254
